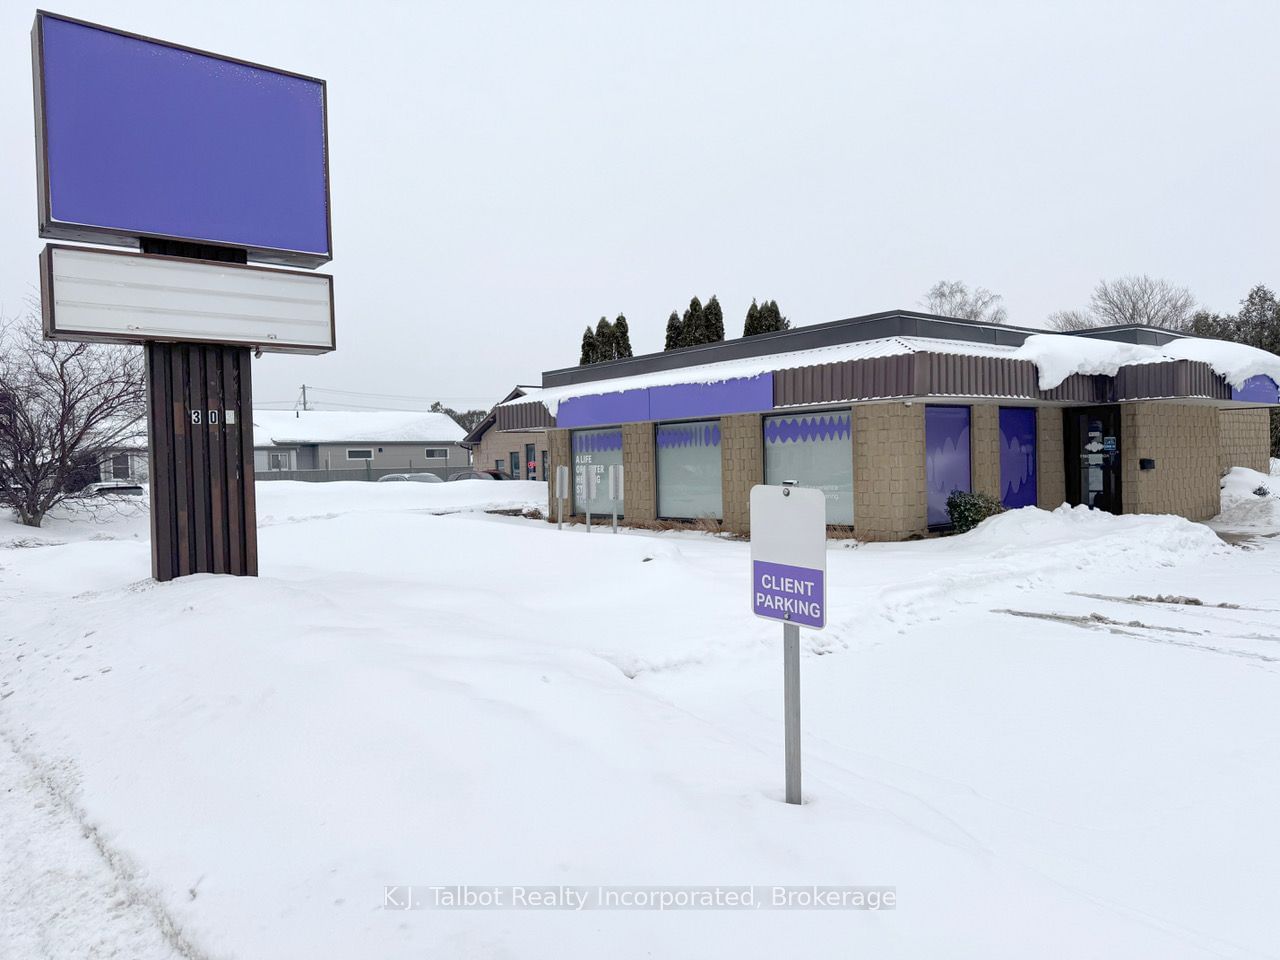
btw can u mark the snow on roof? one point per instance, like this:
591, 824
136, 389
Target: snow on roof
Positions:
748, 367
1057, 357
341, 426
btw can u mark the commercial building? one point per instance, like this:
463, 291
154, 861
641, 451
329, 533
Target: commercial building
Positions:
521, 453
890, 413
358, 442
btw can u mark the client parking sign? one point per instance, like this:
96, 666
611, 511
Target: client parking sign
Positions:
789, 583
789, 555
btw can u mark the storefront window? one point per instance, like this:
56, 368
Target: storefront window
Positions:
594, 451
946, 440
1018, 456
689, 470
813, 451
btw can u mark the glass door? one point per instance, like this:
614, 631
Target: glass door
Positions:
1092, 446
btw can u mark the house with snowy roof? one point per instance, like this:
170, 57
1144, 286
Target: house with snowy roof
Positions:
373, 441
890, 413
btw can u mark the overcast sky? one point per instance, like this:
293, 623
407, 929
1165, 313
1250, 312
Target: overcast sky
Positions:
504, 174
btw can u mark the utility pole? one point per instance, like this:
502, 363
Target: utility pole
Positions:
304, 396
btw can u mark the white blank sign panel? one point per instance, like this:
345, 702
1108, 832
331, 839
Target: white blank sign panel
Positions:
107, 296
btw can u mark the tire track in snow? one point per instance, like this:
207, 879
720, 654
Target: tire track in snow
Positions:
1130, 628
65, 889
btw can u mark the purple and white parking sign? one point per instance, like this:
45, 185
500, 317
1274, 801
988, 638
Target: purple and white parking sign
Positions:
789, 555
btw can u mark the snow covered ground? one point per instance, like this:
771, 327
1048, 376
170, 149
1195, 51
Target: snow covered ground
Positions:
1028, 731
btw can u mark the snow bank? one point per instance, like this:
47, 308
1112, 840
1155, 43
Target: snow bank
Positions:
286, 501
1242, 508
1130, 538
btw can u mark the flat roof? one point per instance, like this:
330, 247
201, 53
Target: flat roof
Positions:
874, 326
964, 357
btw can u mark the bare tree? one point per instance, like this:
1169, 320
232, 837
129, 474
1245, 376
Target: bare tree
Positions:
1068, 320
1141, 300
952, 298
63, 408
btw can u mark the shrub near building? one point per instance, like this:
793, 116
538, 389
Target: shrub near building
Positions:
967, 510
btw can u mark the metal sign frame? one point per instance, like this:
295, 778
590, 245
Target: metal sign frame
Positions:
49, 315
53, 229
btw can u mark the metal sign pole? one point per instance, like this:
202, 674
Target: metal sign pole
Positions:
791, 707
562, 489
615, 491
589, 484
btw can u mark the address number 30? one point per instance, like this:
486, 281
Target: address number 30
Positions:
211, 417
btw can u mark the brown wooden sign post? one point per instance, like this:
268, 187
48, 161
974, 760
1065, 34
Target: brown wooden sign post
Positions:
200, 439
200, 427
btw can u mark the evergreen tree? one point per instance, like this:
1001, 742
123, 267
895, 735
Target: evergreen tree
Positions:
675, 332
693, 325
605, 349
771, 318
713, 321
764, 318
621, 338
1258, 322
589, 353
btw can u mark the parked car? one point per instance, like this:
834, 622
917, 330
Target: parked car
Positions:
113, 488
411, 477
481, 475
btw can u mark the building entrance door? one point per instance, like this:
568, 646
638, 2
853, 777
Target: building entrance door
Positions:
1092, 443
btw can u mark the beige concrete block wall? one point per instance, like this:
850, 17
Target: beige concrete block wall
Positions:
889, 497
497, 445
558, 452
639, 472
741, 467
984, 449
1051, 472
1183, 439
1245, 439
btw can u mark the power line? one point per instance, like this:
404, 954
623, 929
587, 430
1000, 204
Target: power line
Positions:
388, 396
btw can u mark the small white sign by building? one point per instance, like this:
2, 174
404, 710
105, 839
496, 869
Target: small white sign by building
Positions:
789, 555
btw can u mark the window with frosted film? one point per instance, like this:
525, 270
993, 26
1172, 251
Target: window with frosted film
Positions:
689, 470
813, 451
1018, 456
946, 441
594, 452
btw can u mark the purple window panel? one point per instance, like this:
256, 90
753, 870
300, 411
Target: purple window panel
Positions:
148, 139
946, 440
1018, 456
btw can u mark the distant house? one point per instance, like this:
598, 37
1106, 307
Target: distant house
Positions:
126, 460
521, 453
382, 441
125, 463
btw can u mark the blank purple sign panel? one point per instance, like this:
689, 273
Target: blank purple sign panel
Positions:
143, 138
